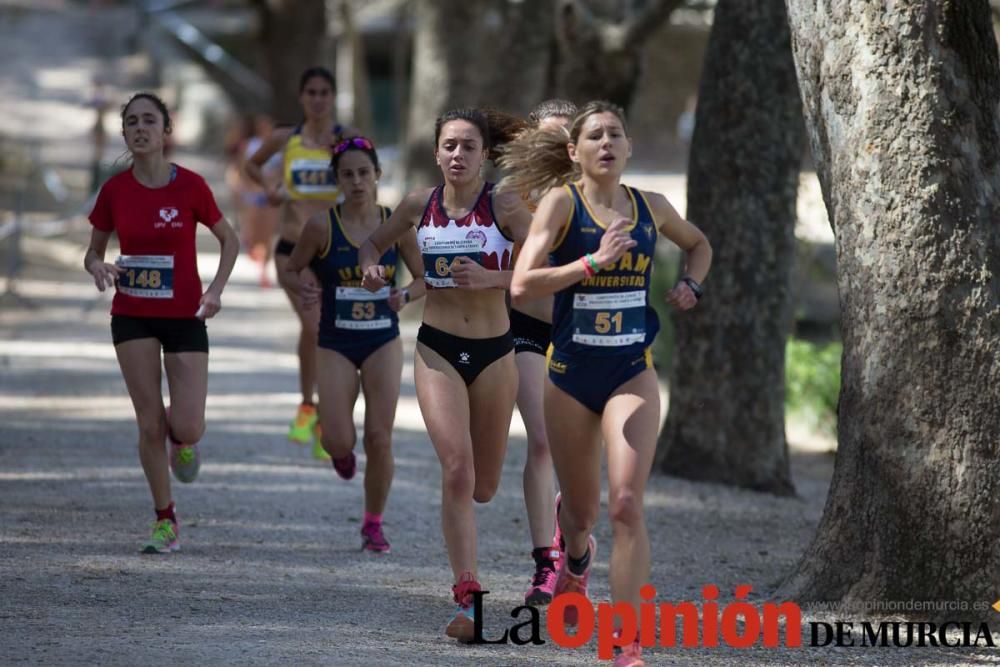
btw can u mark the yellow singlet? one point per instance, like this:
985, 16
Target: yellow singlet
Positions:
307, 170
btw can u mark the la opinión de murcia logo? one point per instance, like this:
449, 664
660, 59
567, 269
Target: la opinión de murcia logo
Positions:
737, 624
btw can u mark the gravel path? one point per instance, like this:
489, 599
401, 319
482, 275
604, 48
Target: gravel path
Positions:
271, 570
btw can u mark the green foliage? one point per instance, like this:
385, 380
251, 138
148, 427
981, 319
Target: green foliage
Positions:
812, 382
812, 370
665, 268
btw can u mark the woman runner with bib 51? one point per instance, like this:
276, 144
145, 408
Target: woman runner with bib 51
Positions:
154, 208
359, 344
592, 244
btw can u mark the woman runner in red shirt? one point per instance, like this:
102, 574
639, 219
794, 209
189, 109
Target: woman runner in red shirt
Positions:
154, 208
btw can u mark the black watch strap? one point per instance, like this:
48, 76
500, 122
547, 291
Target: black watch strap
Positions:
693, 284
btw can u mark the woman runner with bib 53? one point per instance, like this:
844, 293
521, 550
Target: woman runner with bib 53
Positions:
154, 208
592, 244
358, 331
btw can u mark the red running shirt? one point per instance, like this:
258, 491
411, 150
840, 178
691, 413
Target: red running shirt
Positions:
156, 232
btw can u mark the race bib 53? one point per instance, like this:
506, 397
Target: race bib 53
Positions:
361, 310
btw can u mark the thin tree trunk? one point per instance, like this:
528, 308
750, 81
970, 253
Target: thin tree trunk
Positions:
354, 93
446, 47
600, 44
901, 106
522, 45
727, 419
292, 32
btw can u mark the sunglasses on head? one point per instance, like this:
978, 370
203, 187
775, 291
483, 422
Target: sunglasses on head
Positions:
357, 142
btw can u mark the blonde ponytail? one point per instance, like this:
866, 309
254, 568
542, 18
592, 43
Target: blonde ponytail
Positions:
536, 161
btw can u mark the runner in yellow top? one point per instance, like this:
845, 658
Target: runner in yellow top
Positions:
308, 188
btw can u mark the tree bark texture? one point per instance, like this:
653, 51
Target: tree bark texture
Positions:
520, 37
901, 107
447, 45
473, 53
599, 47
727, 389
292, 32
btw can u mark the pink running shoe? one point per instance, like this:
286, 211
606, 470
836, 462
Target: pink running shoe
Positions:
372, 538
567, 582
628, 656
463, 625
346, 466
543, 582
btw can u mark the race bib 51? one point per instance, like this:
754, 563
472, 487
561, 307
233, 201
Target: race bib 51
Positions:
612, 319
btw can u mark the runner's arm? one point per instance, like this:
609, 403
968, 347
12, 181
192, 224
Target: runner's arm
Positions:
532, 277
311, 243
211, 300
690, 239
410, 252
93, 261
254, 167
402, 220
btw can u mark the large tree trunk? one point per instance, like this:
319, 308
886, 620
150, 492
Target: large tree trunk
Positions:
599, 46
727, 419
292, 32
901, 103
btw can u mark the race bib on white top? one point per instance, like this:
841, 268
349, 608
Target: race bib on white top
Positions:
609, 319
146, 276
361, 310
439, 254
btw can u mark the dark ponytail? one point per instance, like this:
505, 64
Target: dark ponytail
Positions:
496, 127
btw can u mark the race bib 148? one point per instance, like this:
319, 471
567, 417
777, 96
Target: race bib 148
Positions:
147, 276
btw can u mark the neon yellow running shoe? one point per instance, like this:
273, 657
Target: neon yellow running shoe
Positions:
318, 452
301, 428
164, 539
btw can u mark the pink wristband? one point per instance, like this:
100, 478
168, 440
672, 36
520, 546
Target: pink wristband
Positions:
587, 269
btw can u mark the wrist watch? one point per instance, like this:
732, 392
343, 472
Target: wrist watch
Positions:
693, 284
